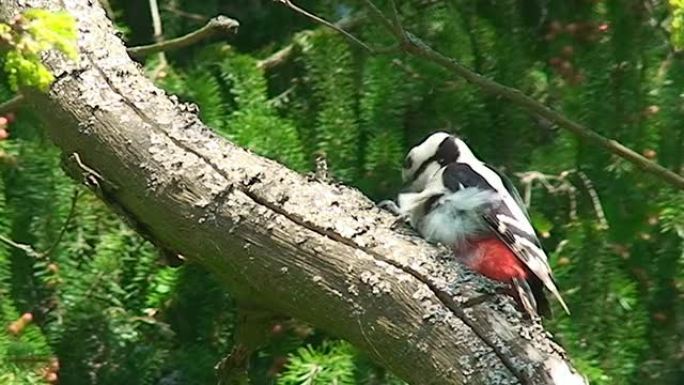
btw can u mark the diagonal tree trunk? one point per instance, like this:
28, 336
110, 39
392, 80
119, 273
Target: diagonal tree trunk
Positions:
297, 246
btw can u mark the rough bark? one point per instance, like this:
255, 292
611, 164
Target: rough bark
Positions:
319, 252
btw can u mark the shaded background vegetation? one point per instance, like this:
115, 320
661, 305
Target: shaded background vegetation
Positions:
105, 311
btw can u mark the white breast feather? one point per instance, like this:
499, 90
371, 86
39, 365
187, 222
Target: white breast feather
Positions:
456, 216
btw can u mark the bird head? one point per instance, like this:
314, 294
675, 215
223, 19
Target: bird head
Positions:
427, 158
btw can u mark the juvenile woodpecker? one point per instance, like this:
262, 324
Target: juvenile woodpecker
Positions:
455, 199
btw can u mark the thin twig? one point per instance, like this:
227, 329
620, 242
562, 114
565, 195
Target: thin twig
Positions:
396, 23
328, 24
158, 37
417, 47
219, 24
572, 196
380, 16
65, 225
284, 54
186, 14
86, 169
595, 200
12, 104
156, 20
564, 186
30, 251
277, 58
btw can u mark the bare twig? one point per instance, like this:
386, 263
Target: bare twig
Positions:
188, 15
417, 47
12, 104
379, 15
156, 20
595, 200
219, 24
30, 251
396, 23
277, 58
284, 54
322, 172
328, 24
563, 186
158, 36
67, 221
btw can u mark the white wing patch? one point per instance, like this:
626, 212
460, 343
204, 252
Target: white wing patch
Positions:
539, 265
520, 223
538, 262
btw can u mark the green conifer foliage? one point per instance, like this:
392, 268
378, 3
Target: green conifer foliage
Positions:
331, 363
329, 65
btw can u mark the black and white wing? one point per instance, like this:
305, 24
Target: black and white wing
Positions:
508, 219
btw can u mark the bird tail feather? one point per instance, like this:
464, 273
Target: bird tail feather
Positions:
551, 285
525, 297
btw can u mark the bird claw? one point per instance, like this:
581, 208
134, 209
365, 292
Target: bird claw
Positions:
400, 222
391, 206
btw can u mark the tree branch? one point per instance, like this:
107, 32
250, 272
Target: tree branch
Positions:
182, 13
415, 46
284, 54
328, 24
72, 210
418, 48
215, 26
318, 252
12, 105
29, 250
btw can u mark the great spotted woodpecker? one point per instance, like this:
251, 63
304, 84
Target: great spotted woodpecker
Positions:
455, 199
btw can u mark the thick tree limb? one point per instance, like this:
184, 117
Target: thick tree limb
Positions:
296, 246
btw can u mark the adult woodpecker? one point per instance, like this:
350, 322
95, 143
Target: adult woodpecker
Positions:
455, 199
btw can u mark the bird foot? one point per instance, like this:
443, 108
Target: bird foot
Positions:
391, 206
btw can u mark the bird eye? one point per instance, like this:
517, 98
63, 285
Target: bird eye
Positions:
408, 162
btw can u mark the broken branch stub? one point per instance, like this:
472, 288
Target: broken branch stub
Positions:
294, 245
